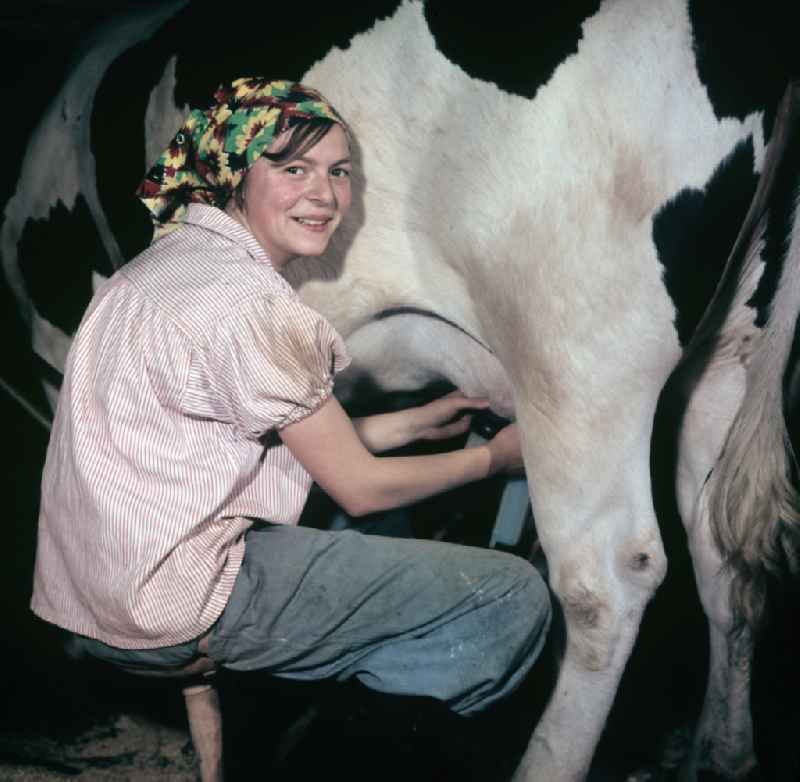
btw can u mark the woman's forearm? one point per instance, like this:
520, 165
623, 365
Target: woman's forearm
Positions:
327, 445
395, 481
442, 418
386, 431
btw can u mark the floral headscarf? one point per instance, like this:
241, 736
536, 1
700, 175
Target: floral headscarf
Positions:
211, 153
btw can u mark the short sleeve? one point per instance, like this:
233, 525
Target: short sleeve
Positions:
272, 364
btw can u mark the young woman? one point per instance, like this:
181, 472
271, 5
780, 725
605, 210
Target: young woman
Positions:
197, 410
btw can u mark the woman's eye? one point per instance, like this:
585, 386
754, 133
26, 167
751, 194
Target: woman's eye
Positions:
340, 172
296, 170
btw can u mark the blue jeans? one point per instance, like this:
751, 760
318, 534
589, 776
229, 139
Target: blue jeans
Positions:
410, 617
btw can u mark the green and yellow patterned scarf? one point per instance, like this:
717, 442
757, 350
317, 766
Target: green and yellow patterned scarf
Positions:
211, 153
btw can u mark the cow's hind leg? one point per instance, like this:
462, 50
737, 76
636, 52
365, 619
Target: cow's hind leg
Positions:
595, 519
723, 737
736, 494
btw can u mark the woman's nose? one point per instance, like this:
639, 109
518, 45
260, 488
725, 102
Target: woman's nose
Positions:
321, 191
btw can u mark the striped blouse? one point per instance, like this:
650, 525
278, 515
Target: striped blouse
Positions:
184, 363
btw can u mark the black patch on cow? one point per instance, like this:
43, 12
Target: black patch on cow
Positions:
781, 216
264, 43
118, 143
694, 233
516, 46
746, 53
56, 257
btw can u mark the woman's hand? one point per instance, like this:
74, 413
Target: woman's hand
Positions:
436, 420
440, 419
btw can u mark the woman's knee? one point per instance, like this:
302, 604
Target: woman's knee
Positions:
513, 630
528, 602
518, 583
515, 604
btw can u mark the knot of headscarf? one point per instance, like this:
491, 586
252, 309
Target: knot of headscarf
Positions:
210, 154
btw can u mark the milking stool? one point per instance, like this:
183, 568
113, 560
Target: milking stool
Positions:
200, 696
202, 708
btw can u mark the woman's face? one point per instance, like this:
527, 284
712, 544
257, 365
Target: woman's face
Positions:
294, 207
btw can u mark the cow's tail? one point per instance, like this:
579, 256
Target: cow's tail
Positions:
751, 494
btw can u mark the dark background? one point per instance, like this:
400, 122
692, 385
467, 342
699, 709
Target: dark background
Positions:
37, 40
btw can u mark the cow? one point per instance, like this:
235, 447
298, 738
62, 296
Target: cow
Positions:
573, 212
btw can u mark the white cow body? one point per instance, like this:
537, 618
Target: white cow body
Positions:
554, 268
511, 242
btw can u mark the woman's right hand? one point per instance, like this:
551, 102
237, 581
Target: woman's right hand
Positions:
506, 450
